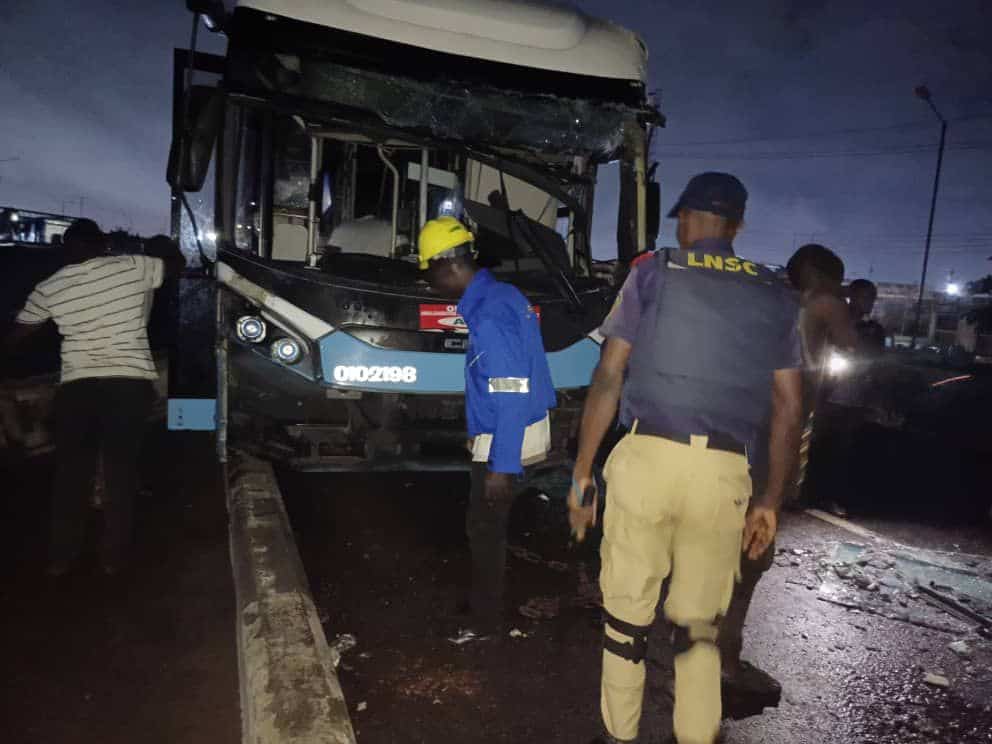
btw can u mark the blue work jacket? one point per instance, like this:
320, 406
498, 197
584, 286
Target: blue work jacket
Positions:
507, 381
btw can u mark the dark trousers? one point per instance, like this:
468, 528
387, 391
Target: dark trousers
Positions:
486, 524
95, 417
731, 636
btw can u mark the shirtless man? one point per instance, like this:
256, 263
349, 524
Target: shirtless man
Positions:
861, 295
825, 319
825, 322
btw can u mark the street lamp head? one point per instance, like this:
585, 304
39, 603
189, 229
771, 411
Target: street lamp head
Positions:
923, 93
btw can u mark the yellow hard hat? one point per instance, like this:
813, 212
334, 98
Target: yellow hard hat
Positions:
440, 236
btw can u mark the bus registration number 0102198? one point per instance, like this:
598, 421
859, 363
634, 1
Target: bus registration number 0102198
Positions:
362, 373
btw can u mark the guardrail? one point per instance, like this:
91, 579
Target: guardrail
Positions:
290, 692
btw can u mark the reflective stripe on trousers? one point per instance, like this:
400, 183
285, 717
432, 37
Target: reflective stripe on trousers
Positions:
673, 510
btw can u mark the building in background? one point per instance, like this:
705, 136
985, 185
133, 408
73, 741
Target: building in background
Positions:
25, 227
941, 319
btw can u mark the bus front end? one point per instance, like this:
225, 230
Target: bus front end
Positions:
338, 135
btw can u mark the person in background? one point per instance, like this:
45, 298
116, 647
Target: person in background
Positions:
743, 683
966, 335
861, 295
508, 396
100, 304
700, 346
825, 322
825, 319
827, 328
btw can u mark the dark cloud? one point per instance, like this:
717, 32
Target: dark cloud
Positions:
768, 79
87, 106
86, 89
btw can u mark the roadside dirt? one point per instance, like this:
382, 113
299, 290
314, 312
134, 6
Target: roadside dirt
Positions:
148, 656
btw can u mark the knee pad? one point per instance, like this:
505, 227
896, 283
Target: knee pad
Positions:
637, 649
685, 637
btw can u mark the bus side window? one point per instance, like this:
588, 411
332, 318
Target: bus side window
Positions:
606, 212
247, 157
290, 190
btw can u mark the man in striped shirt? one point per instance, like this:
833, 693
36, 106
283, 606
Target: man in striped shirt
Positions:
100, 304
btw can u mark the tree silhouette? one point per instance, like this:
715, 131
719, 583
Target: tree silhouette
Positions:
980, 286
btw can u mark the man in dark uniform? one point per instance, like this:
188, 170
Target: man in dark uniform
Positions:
702, 344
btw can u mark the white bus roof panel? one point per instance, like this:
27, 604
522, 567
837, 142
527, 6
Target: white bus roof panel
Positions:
509, 31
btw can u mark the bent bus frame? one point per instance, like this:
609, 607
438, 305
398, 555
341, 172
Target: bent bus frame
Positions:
333, 138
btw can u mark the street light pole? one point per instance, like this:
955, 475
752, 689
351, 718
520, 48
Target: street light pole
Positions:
924, 93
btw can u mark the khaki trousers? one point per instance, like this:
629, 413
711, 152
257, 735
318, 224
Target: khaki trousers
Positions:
673, 510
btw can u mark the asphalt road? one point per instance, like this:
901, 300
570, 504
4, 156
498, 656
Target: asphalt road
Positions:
151, 656
387, 564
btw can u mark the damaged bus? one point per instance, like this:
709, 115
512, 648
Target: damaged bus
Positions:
335, 130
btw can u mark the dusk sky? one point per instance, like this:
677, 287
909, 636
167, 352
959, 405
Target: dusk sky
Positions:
810, 103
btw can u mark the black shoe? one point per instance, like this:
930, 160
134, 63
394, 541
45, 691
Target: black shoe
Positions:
747, 690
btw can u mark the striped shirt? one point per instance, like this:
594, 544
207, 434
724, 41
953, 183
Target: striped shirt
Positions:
101, 308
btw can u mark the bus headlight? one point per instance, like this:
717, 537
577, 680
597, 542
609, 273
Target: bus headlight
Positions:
251, 329
286, 350
838, 364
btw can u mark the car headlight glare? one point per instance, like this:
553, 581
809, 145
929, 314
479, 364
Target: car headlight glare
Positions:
838, 364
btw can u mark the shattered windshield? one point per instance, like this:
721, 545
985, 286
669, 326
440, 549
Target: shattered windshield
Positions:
471, 114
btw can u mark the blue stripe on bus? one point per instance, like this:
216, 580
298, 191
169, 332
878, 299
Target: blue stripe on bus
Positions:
192, 414
348, 363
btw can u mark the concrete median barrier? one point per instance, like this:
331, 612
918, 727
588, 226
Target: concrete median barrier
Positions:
290, 692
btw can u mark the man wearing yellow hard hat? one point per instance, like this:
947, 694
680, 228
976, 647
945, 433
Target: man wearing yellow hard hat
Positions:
508, 393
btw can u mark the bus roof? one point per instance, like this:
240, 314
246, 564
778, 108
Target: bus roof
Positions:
508, 31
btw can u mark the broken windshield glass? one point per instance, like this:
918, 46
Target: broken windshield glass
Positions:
452, 111
913, 566
517, 229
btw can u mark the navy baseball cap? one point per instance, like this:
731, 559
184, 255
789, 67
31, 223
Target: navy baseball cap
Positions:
719, 193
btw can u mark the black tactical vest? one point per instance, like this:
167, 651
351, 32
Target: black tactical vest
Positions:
719, 329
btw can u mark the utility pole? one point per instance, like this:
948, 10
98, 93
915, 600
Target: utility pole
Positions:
923, 92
